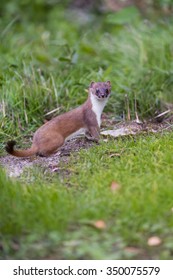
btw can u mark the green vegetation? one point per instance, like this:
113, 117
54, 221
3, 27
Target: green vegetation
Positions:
58, 218
48, 58
48, 64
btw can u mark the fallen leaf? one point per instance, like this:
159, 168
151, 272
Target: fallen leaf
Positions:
115, 186
100, 224
118, 132
154, 241
132, 250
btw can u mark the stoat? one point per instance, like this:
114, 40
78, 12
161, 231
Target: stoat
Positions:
87, 117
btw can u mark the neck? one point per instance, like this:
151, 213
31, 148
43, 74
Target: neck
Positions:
97, 107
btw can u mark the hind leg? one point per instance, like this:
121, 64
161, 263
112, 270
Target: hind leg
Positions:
51, 146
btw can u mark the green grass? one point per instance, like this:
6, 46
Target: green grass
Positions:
56, 218
46, 63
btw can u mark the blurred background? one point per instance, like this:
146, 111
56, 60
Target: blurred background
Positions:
39, 7
51, 50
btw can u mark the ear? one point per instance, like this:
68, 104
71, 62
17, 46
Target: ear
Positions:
108, 83
91, 84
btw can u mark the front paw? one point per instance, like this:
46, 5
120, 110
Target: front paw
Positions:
91, 138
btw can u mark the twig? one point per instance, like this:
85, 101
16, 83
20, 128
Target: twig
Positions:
53, 111
162, 114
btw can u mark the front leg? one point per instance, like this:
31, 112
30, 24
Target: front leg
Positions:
93, 133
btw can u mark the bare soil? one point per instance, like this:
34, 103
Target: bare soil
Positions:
14, 167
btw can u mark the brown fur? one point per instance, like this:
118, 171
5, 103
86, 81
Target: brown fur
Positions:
50, 136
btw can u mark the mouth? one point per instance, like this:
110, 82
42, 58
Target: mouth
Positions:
102, 96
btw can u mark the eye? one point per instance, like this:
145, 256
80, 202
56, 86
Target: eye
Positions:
107, 91
97, 90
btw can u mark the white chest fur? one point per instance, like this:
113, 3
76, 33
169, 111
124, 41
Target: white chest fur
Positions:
97, 107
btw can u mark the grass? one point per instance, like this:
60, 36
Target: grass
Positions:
46, 64
52, 64
58, 218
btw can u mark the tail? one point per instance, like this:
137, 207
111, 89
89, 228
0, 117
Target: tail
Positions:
19, 153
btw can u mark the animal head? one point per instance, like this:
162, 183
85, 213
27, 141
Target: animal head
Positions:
101, 90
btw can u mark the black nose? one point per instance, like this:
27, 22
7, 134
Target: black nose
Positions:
102, 95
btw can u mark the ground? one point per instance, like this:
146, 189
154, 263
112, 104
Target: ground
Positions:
15, 166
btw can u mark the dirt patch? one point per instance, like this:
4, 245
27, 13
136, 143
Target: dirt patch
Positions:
15, 166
